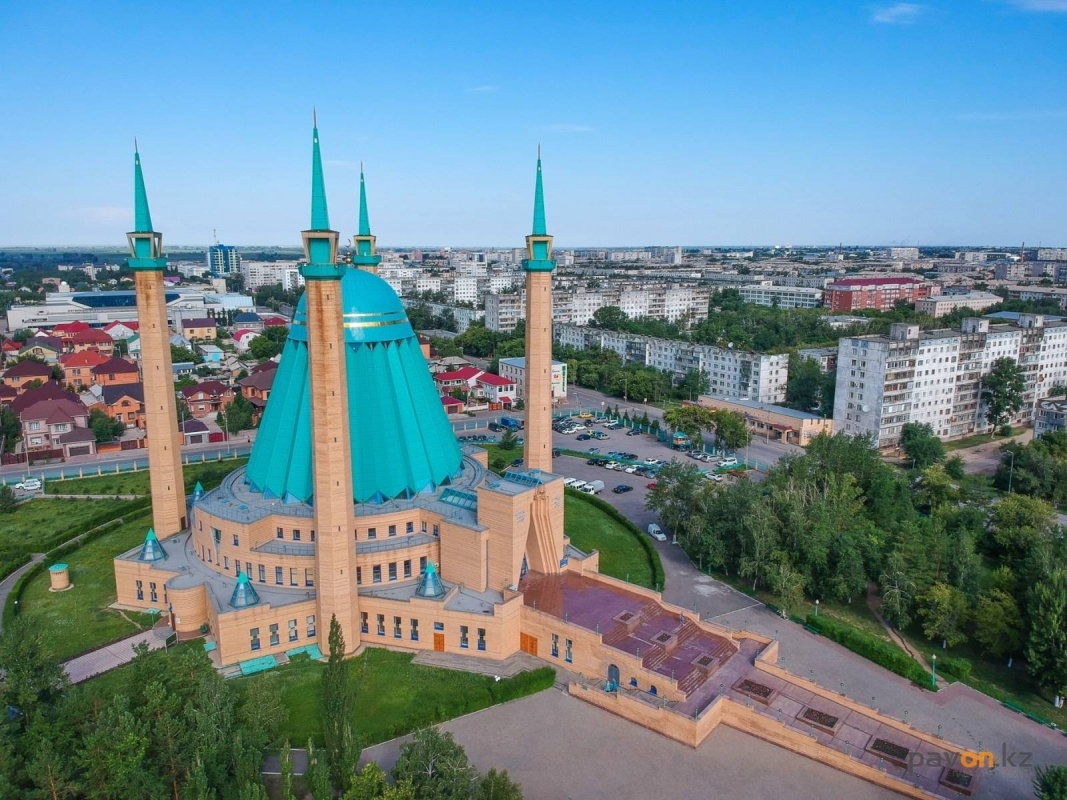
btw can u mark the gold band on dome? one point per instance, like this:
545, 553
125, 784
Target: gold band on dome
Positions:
375, 324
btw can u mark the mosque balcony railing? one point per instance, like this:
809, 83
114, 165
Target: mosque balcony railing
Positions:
285, 549
394, 543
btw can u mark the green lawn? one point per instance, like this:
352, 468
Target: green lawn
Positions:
621, 555
394, 696
976, 440
39, 525
210, 475
79, 620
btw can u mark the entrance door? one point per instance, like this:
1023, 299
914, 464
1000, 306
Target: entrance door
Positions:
613, 678
439, 642
528, 643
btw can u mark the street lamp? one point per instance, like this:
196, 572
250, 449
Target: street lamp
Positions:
816, 606
933, 671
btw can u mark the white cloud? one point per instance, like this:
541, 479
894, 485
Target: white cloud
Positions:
565, 127
897, 14
1059, 6
482, 89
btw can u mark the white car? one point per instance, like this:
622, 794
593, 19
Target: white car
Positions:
613, 465
630, 470
711, 476
728, 462
29, 485
655, 532
652, 461
570, 481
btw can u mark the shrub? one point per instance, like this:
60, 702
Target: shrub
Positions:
872, 648
959, 668
523, 684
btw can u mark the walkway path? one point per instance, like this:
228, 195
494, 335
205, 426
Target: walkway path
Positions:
113, 655
8, 583
874, 603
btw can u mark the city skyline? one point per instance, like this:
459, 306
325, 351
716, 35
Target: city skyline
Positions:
878, 124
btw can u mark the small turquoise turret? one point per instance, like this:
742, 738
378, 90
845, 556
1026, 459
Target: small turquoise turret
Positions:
430, 585
364, 245
244, 594
146, 245
539, 243
320, 243
152, 550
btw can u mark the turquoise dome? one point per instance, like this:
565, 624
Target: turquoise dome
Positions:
402, 442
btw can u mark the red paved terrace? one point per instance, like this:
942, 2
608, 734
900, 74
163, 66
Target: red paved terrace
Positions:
666, 643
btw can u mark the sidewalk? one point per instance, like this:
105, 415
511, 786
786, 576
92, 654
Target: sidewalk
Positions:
113, 655
9, 583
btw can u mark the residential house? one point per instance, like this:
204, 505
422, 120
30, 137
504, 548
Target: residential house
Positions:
22, 375
115, 372
256, 389
67, 330
249, 320
199, 329
498, 392
46, 348
49, 390
207, 398
91, 339
212, 354
452, 405
124, 403
61, 424
121, 331
462, 379
242, 337
78, 367
193, 431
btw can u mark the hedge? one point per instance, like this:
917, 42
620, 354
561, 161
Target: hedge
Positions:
958, 667
94, 530
872, 648
658, 578
523, 684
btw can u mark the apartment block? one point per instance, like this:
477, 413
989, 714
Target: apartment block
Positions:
257, 274
934, 377
879, 293
731, 373
939, 305
781, 296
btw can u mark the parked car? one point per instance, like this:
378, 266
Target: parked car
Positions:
593, 450
630, 456
633, 433
594, 487
712, 476
29, 485
622, 488
655, 532
578, 485
613, 465
652, 461
599, 435
630, 470
728, 462
517, 462
584, 437
586, 415
568, 482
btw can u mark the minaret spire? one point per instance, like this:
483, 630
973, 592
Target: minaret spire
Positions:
539, 228
142, 217
364, 245
320, 215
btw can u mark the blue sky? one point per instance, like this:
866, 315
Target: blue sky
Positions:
706, 122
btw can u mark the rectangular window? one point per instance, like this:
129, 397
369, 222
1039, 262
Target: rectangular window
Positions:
568, 656
424, 527
262, 574
381, 624
363, 622
376, 573
555, 645
278, 533
278, 576
226, 563
296, 534
235, 541
411, 527
292, 576
294, 634
311, 625
463, 643
392, 530
481, 638
275, 640
439, 627
407, 568
309, 576
422, 565
372, 533
436, 530
253, 635
359, 575
414, 630
140, 590
152, 592
397, 634
313, 536
392, 570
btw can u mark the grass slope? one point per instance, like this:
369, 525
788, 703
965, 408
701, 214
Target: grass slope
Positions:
210, 475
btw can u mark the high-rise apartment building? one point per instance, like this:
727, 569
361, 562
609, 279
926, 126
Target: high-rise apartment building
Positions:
879, 293
934, 377
223, 260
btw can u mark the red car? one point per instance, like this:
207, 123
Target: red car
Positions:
651, 485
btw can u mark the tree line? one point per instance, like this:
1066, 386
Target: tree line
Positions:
942, 560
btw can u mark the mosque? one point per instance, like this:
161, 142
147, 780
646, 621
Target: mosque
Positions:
358, 504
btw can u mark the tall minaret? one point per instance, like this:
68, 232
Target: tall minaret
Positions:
538, 266
364, 245
335, 549
161, 414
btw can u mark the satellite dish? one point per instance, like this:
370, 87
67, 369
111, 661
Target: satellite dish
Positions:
865, 408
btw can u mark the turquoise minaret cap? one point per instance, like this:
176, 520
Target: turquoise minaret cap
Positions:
320, 243
365, 247
152, 550
244, 594
198, 489
539, 243
146, 245
430, 583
